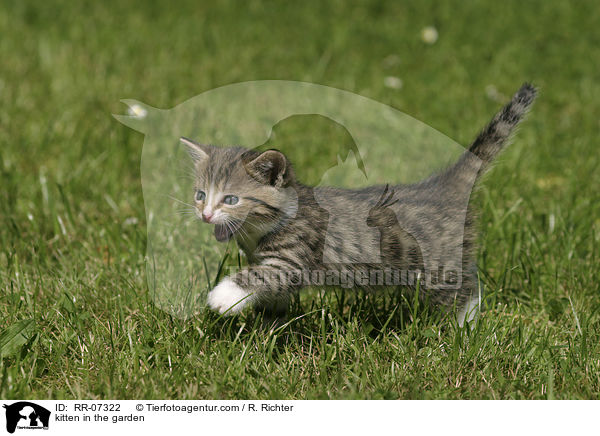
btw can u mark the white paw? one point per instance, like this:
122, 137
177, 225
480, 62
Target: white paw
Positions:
469, 312
228, 297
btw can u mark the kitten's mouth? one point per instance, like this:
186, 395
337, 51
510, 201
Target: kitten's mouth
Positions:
224, 233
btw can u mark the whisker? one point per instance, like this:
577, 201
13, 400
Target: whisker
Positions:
180, 201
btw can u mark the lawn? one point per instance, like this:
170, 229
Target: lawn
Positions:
76, 317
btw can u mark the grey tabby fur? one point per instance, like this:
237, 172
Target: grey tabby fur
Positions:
287, 235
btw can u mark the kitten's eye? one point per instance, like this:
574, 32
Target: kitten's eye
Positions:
200, 195
230, 200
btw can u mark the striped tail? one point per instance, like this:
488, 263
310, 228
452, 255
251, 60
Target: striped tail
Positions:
497, 133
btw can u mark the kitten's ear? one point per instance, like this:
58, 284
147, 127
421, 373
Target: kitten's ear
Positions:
270, 167
197, 151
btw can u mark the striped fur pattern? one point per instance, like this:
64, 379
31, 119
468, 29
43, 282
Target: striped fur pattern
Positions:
282, 228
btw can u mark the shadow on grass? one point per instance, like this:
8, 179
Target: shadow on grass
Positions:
335, 314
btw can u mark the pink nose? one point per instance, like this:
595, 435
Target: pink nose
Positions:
206, 217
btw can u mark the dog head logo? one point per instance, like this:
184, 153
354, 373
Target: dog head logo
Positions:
26, 415
386, 146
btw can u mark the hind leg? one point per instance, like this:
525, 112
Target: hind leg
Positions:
469, 311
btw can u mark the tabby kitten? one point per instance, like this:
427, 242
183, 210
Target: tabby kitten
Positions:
291, 241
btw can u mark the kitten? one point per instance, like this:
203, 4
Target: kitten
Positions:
291, 241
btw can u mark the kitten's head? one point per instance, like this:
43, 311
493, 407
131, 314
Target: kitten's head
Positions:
244, 193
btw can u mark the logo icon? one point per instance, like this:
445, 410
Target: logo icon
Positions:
371, 144
26, 415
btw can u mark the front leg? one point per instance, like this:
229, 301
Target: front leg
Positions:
229, 297
264, 285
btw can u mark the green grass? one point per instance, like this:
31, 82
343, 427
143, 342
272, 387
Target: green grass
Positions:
72, 256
